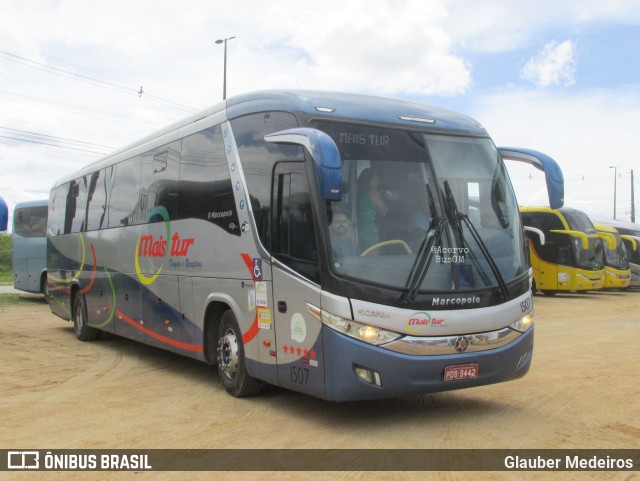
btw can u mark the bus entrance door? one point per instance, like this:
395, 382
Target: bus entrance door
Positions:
295, 282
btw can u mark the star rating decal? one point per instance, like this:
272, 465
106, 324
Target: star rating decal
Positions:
299, 351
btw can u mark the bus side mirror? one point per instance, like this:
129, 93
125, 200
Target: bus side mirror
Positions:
323, 151
552, 172
536, 231
609, 240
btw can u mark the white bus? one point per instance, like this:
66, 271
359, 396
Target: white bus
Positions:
344, 246
29, 246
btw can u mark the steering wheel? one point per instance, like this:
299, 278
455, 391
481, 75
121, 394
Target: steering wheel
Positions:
388, 243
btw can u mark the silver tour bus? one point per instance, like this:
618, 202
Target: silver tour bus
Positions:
343, 246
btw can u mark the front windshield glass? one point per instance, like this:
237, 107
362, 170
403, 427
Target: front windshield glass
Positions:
617, 257
578, 220
590, 258
398, 186
633, 249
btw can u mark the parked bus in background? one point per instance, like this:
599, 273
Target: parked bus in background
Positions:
215, 238
29, 246
630, 233
566, 252
632, 247
617, 273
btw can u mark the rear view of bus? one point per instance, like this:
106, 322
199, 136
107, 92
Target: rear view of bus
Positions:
347, 247
566, 252
29, 246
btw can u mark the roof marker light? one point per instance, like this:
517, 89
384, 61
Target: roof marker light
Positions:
327, 110
416, 119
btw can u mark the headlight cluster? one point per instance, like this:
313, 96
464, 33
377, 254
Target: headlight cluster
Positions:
617, 276
363, 332
523, 324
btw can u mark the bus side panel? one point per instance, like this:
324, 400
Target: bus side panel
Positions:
238, 295
66, 261
29, 260
299, 340
100, 300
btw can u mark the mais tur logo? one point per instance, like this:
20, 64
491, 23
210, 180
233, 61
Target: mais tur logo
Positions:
149, 246
422, 320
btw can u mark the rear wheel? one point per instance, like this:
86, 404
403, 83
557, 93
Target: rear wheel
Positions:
80, 327
231, 360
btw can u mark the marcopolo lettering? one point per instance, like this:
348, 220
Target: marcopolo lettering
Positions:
455, 301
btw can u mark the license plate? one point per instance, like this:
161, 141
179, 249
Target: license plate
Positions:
462, 371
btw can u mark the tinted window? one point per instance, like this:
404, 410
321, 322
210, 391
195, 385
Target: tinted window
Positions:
57, 205
159, 182
258, 158
30, 221
205, 184
97, 199
123, 192
294, 238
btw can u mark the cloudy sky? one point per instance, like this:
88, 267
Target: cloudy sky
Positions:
562, 77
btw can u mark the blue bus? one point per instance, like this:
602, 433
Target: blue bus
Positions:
29, 246
348, 247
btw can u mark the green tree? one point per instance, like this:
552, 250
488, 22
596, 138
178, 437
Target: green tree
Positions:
5, 258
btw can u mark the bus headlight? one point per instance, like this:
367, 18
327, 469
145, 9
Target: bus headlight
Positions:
523, 324
363, 332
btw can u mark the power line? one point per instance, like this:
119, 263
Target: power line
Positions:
27, 99
92, 80
55, 138
27, 137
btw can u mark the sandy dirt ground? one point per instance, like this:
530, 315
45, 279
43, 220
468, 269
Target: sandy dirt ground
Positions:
57, 392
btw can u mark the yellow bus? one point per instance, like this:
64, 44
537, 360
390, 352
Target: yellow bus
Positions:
566, 252
630, 233
617, 273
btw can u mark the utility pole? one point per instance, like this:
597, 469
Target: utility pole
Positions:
615, 188
633, 207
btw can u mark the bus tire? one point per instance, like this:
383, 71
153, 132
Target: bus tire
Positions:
231, 360
82, 330
549, 293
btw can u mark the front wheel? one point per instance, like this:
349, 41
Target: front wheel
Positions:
231, 360
83, 331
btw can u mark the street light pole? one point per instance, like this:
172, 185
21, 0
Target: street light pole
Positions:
615, 187
633, 206
224, 79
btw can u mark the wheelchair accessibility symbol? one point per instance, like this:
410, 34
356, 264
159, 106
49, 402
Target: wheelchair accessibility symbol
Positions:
257, 269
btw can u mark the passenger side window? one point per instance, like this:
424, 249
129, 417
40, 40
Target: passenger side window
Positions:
159, 182
123, 193
205, 182
294, 237
258, 158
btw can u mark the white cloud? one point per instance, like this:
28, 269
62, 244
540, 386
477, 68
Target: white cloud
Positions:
584, 132
555, 65
507, 25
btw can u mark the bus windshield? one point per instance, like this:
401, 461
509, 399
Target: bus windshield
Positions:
578, 221
617, 257
590, 258
439, 203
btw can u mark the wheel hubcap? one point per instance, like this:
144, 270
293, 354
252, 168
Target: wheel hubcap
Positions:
228, 354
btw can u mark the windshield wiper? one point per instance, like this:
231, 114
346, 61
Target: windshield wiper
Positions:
457, 217
423, 261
